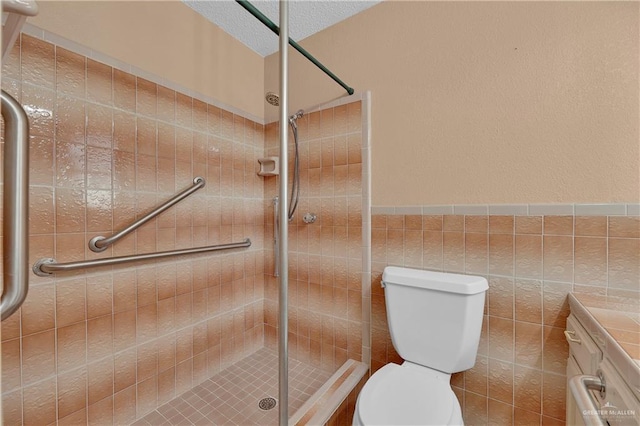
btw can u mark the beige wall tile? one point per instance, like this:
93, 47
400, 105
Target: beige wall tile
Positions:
42, 167
70, 301
475, 408
500, 381
624, 227
38, 405
476, 378
147, 395
558, 225
500, 413
501, 252
528, 344
38, 357
476, 224
71, 346
38, 62
591, 226
553, 391
555, 350
70, 73
99, 124
453, 223
501, 337
77, 418
501, 224
11, 368
124, 90
125, 369
146, 97
528, 256
99, 337
527, 389
124, 404
528, 300
528, 225
476, 255
558, 258
590, 261
38, 310
99, 296
524, 417
100, 380
101, 412
72, 390
99, 82
453, 251
501, 297
624, 268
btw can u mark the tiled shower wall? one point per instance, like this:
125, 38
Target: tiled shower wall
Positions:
111, 344
325, 257
531, 263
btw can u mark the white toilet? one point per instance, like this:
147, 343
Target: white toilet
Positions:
435, 321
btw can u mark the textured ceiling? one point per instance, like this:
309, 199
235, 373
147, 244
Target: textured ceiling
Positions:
306, 17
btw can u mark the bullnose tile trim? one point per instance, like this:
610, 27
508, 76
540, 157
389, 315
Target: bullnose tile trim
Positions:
39, 33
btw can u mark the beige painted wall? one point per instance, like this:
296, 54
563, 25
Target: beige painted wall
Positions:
490, 102
165, 38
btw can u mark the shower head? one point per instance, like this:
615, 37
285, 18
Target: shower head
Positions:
273, 98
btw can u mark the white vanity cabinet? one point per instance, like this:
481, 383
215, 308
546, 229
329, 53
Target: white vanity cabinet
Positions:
603, 380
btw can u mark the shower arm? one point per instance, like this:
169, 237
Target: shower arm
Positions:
273, 27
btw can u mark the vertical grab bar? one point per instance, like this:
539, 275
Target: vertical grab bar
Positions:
276, 244
15, 226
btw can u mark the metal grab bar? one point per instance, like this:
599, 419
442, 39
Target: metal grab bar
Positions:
101, 243
276, 244
580, 386
15, 227
47, 266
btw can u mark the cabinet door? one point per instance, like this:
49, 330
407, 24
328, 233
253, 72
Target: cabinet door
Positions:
574, 417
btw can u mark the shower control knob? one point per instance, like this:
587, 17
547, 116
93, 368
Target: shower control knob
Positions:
309, 218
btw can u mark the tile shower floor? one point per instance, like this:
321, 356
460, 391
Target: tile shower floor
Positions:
231, 397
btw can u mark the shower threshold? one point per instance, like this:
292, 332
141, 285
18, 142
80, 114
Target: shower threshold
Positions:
233, 396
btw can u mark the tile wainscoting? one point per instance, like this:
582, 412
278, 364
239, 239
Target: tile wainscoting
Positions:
532, 263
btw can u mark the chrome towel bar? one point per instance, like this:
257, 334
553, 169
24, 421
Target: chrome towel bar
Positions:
580, 387
47, 266
15, 226
101, 243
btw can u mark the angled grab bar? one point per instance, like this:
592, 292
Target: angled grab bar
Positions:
47, 266
101, 243
15, 226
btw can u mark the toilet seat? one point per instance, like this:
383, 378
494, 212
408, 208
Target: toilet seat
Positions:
401, 395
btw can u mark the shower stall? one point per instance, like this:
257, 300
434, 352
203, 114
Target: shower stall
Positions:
152, 294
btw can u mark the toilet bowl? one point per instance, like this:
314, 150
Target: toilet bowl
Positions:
404, 395
434, 321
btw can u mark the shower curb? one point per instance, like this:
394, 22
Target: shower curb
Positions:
319, 408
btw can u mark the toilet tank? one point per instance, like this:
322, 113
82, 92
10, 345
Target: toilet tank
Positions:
435, 318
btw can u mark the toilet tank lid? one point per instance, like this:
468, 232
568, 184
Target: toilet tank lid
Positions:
452, 283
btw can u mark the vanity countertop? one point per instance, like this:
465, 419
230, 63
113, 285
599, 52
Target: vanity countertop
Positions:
614, 324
